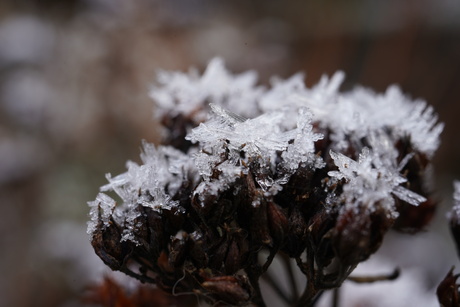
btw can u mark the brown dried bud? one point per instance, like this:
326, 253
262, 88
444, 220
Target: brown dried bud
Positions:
177, 251
447, 291
107, 245
177, 127
233, 259
260, 234
197, 251
411, 218
277, 222
230, 289
296, 240
351, 236
218, 253
358, 233
319, 234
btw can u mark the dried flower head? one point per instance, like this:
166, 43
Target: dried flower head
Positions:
315, 175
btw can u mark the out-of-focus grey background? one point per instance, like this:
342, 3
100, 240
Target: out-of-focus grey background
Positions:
74, 105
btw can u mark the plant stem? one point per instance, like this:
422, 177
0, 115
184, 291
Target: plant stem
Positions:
335, 297
292, 281
371, 279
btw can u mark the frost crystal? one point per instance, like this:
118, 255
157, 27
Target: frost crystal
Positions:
149, 185
258, 139
370, 181
186, 93
102, 208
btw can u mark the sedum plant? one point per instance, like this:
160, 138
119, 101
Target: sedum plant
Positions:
246, 173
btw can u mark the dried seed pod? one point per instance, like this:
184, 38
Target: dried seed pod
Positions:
218, 255
107, 245
296, 240
178, 251
177, 127
358, 233
351, 236
233, 259
278, 223
156, 227
447, 291
259, 231
413, 219
229, 289
198, 251
319, 235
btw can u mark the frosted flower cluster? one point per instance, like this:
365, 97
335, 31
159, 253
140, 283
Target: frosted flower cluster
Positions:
286, 168
287, 111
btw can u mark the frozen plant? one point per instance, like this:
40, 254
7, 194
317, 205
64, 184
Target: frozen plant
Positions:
249, 173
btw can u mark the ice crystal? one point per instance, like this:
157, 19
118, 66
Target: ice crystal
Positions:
261, 136
186, 93
149, 185
101, 208
359, 111
370, 181
257, 139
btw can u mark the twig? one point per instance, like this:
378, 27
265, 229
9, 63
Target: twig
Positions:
292, 281
335, 297
371, 279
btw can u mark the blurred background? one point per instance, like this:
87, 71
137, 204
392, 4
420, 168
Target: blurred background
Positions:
74, 105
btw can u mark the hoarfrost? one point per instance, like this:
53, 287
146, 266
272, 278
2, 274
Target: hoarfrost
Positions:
101, 208
261, 137
180, 93
359, 111
149, 185
240, 141
369, 181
